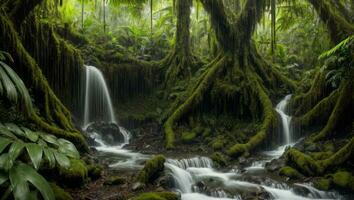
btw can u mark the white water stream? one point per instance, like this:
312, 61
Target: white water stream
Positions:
195, 178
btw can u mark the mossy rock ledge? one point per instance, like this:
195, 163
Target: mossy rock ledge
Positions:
152, 169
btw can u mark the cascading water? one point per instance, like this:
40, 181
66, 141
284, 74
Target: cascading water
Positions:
196, 179
98, 104
286, 119
99, 108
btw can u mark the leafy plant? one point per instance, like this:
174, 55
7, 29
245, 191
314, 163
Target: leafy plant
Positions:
12, 86
22, 152
339, 61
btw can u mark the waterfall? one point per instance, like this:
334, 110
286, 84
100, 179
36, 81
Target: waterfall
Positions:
98, 104
286, 119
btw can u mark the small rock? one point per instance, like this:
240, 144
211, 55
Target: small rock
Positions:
137, 186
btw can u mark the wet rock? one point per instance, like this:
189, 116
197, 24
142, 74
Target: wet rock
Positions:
109, 132
165, 181
138, 186
275, 165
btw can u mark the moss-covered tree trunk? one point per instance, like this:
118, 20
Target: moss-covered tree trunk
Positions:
330, 109
53, 116
239, 75
180, 61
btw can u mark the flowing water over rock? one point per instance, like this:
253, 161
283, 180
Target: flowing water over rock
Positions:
101, 125
196, 178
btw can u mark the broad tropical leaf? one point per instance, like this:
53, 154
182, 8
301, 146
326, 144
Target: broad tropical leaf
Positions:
22, 174
13, 87
35, 153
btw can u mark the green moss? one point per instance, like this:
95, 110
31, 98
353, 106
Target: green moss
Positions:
343, 179
60, 193
152, 169
157, 196
206, 133
219, 158
323, 184
218, 143
94, 171
321, 155
290, 172
76, 174
115, 180
188, 137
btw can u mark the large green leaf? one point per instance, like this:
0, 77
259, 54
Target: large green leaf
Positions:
50, 139
3, 177
61, 159
4, 143
14, 87
5, 132
21, 174
5, 162
49, 155
68, 148
35, 153
31, 135
15, 129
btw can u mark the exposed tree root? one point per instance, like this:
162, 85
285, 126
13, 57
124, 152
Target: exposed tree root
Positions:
312, 167
341, 113
319, 114
195, 98
267, 125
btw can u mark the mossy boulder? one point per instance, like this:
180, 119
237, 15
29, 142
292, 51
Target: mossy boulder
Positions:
188, 137
76, 174
152, 169
60, 193
323, 184
94, 171
218, 143
290, 172
206, 132
115, 180
157, 196
344, 179
219, 158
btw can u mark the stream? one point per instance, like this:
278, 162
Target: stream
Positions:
196, 178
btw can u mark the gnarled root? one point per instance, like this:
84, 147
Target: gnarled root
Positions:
196, 97
341, 113
268, 121
313, 167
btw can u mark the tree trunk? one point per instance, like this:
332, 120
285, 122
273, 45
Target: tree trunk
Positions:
180, 61
238, 77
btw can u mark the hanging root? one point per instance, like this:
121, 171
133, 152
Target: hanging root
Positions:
30, 72
313, 167
194, 99
269, 117
341, 112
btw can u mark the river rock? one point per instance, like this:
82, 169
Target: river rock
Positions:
275, 164
138, 186
109, 132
